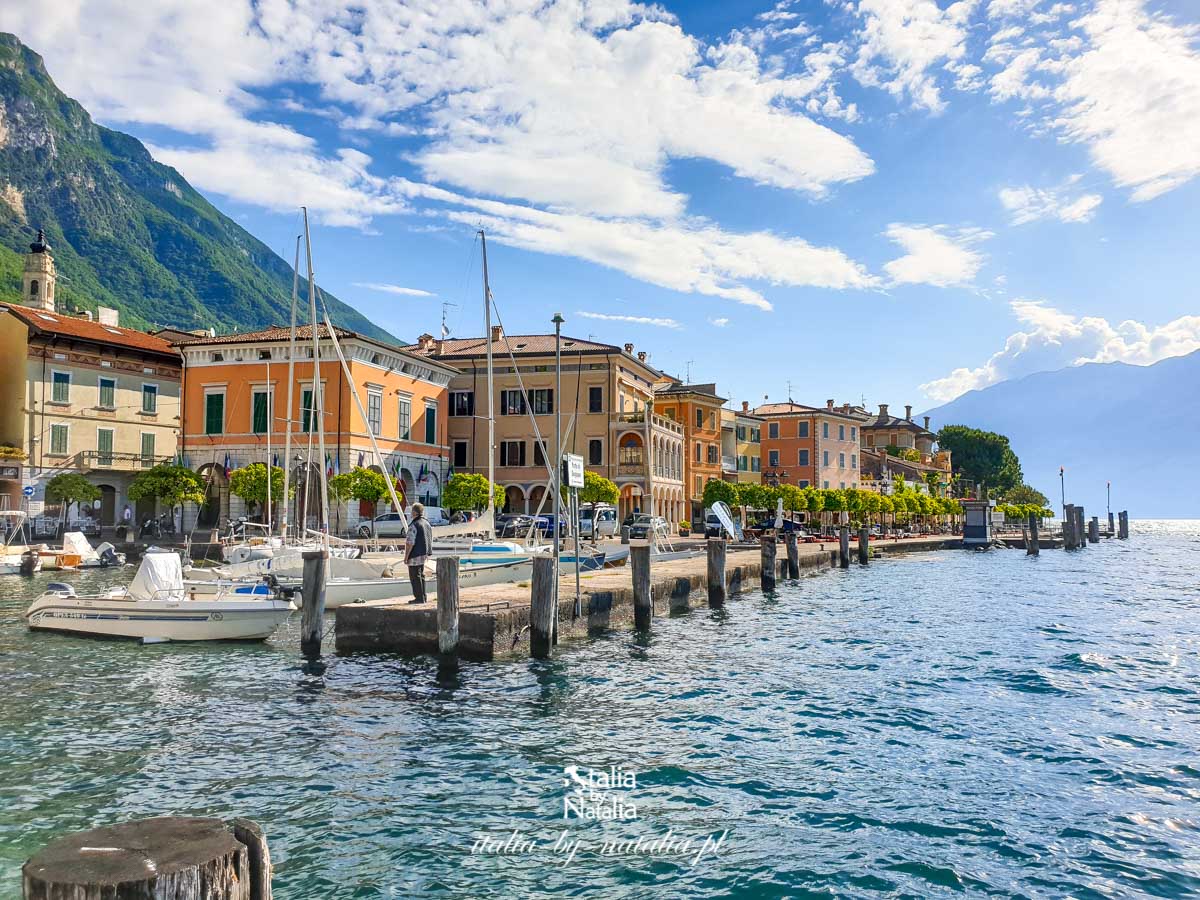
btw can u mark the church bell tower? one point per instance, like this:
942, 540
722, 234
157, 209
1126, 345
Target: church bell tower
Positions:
37, 281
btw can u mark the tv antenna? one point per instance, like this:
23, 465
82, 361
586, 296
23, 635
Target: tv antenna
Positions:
446, 304
688, 377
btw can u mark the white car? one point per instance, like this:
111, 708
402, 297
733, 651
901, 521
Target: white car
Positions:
389, 524
603, 518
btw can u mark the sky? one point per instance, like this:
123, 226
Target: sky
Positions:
889, 201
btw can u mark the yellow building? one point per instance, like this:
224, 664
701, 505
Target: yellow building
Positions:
81, 395
606, 408
748, 445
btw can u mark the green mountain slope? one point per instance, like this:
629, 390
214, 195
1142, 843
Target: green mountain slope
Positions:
126, 231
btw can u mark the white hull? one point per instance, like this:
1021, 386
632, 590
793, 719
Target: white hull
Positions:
171, 620
11, 565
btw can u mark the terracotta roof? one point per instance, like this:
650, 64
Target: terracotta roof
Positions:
793, 408
518, 344
893, 422
708, 389
40, 322
274, 333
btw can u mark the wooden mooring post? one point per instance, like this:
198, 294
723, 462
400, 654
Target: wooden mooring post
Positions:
767, 558
166, 859
1094, 530
1123, 525
716, 571
1080, 528
643, 602
447, 604
312, 591
864, 545
1033, 546
792, 544
1068, 527
844, 546
1112, 531
542, 608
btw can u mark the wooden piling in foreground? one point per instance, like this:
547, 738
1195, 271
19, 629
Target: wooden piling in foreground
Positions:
792, 544
541, 606
1068, 527
844, 546
447, 604
164, 858
643, 602
1123, 525
716, 571
1112, 531
312, 616
767, 550
1033, 546
1080, 528
1094, 530
864, 545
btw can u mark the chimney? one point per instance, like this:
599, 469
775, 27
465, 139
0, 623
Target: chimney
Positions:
425, 342
908, 411
846, 408
641, 358
629, 349
883, 410
829, 404
746, 406
927, 423
497, 333
107, 316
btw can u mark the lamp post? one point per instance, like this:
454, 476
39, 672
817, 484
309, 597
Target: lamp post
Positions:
1062, 482
557, 480
1108, 498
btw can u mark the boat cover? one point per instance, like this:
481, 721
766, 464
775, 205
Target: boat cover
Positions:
159, 577
76, 544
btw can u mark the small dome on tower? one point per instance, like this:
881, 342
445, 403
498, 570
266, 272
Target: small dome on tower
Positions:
40, 245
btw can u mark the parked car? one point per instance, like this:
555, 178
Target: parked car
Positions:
597, 523
513, 525
644, 526
545, 525
384, 525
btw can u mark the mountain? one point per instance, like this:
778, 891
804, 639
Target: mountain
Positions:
126, 231
1136, 426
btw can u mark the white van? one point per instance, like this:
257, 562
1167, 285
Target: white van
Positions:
603, 518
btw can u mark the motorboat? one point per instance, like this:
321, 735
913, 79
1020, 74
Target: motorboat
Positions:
158, 606
78, 553
16, 558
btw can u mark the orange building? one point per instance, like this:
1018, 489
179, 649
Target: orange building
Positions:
697, 407
809, 447
235, 398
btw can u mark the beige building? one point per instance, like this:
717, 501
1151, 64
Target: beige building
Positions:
87, 396
606, 411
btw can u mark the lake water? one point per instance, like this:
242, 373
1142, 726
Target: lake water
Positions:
937, 723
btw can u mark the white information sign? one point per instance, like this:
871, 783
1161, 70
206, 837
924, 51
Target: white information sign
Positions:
573, 466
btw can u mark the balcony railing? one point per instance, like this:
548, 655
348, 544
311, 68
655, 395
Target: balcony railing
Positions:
728, 463
98, 459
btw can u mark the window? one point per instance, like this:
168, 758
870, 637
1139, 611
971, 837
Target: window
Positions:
773, 430
462, 403
699, 418
802, 458
699, 486
755, 464
854, 460
147, 448
740, 432
460, 454
756, 435
841, 460
61, 388
260, 413
104, 446
825, 485
743, 463
824, 429
595, 399
841, 432
854, 432
773, 459
512, 403
870, 439
803, 482
218, 356
306, 410
108, 393
149, 398
802, 429
714, 455
375, 411
405, 419
542, 401
33, 288
595, 452
539, 453
824, 457
214, 413
430, 422
264, 354
58, 440
512, 453
697, 453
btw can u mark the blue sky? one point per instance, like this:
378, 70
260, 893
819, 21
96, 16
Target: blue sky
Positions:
896, 200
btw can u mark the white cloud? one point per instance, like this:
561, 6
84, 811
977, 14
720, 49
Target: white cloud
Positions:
935, 255
905, 43
393, 289
1052, 339
1029, 204
719, 323
633, 320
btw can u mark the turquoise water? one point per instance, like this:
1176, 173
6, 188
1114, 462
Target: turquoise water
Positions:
941, 723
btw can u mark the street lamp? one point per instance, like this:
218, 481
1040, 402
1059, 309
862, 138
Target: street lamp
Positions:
1062, 481
556, 481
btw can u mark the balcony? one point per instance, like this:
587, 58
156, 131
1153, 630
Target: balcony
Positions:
92, 460
728, 463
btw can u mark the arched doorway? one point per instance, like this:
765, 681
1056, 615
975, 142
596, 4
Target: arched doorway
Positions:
535, 501
631, 500
216, 496
514, 499
429, 489
108, 505
408, 487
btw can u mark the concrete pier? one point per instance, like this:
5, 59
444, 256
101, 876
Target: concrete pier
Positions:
494, 621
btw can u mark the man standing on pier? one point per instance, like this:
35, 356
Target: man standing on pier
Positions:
417, 545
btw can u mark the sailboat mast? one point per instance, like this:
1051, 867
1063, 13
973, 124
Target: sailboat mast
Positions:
318, 394
270, 425
491, 393
287, 441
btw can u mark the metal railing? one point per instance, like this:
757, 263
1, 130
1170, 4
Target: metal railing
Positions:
99, 459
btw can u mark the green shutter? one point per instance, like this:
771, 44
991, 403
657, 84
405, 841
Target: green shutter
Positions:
149, 398
147, 447
214, 414
104, 446
306, 404
108, 393
260, 413
430, 424
62, 387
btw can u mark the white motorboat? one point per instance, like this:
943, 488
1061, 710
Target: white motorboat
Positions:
16, 558
157, 606
78, 553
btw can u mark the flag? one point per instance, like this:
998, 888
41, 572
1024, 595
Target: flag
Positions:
275, 460
337, 465
228, 466
328, 466
361, 459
